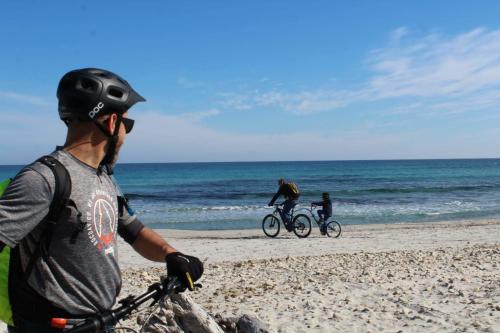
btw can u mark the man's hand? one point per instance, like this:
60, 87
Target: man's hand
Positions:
187, 268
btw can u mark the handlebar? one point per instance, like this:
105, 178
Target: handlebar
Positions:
95, 324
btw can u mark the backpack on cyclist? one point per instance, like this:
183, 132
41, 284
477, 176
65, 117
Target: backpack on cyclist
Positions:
293, 188
62, 193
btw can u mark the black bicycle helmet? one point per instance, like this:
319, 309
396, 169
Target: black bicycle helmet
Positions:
85, 93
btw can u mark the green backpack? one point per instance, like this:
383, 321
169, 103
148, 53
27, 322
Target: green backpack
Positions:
5, 310
61, 197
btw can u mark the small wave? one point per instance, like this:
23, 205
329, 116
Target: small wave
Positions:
218, 208
436, 189
142, 196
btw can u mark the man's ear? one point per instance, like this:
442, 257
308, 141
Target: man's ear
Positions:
111, 123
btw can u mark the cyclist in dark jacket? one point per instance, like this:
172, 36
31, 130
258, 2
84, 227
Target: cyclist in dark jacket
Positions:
291, 193
326, 212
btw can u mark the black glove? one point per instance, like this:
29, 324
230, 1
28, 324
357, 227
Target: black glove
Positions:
186, 268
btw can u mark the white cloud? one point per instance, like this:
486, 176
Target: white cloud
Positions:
437, 66
303, 102
398, 33
161, 138
198, 116
158, 137
17, 97
435, 70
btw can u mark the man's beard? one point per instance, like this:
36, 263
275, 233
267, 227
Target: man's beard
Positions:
115, 158
116, 154
112, 155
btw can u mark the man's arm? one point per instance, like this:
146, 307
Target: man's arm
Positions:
276, 196
152, 246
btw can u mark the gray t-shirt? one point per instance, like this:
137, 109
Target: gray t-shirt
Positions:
82, 277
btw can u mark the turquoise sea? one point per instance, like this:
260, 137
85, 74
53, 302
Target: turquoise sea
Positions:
234, 195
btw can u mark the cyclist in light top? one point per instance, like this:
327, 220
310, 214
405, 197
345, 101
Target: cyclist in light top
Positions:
291, 193
78, 274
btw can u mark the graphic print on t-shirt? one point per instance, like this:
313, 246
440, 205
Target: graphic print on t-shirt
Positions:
102, 217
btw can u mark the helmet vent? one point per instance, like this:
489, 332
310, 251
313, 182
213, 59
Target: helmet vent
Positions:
115, 93
89, 85
104, 75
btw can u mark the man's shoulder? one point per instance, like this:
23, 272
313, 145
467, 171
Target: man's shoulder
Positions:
41, 169
37, 169
35, 177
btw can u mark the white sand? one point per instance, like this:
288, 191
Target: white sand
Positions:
434, 277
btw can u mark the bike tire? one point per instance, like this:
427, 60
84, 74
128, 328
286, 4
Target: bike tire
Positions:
271, 225
302, 225
333, 229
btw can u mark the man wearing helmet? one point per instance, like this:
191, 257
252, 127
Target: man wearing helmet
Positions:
78, 274
291, 193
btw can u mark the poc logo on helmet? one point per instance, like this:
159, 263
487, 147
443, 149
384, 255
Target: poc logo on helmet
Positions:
96, 110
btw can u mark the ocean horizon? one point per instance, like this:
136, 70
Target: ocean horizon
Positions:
297, 161
234, 195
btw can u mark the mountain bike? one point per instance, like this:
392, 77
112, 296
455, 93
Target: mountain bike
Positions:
331, 229
98, 323
300, 224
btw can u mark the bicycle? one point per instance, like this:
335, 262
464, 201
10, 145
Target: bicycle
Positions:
301, 224
331, 229
98, 323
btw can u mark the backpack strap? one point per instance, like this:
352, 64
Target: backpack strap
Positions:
62, 192
62, 189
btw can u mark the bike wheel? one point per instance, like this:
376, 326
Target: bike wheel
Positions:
333, 229
271, 225
302, 225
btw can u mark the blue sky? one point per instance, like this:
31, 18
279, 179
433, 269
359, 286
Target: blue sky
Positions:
263, 80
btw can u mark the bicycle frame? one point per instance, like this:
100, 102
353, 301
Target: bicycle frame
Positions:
313, 215
278, 209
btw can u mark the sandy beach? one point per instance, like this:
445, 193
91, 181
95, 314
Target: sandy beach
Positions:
433, 277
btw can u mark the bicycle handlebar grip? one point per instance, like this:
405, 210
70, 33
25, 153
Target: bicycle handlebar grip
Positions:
89, 326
